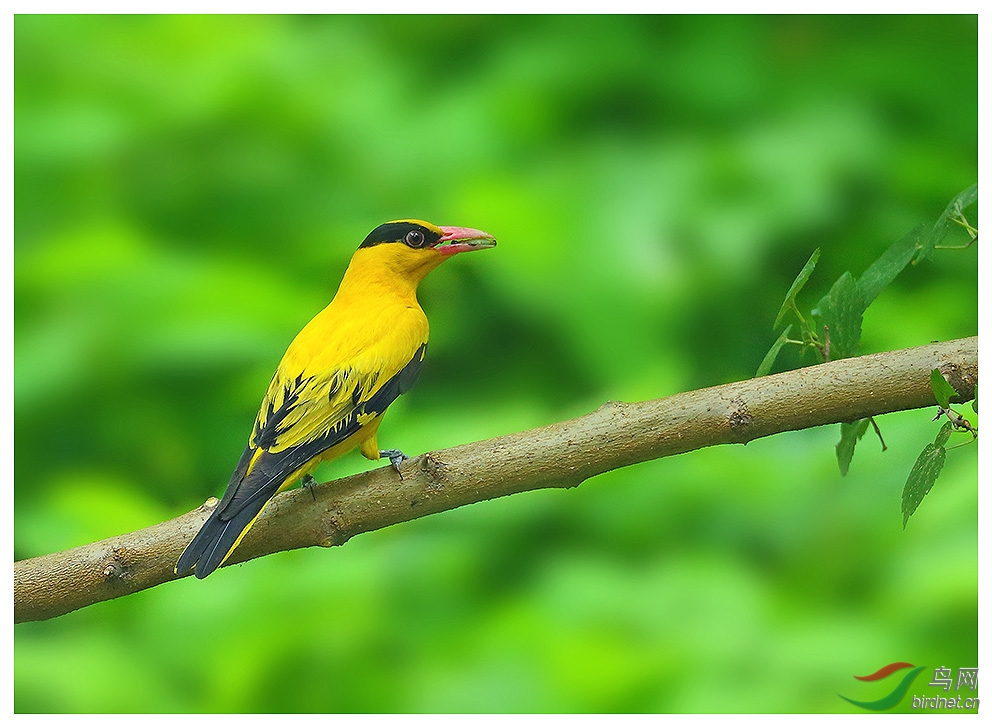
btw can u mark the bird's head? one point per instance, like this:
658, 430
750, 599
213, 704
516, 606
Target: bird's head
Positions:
413, 248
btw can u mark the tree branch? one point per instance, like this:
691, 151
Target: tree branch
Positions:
560, 455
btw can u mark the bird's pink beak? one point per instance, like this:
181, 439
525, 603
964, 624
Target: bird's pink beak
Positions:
460, 239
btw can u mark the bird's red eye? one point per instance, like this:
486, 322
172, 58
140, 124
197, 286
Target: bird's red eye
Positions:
414, 238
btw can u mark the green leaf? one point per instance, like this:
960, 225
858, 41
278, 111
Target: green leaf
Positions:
850, 433
840, 311
942, 391
954, 209
974, 402
766, 363
889, 264
790, 297
921, 479
943, 435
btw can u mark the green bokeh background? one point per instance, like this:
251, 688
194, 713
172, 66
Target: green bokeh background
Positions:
188, 193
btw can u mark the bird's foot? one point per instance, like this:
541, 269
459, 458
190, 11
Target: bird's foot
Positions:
308, 482
395, 457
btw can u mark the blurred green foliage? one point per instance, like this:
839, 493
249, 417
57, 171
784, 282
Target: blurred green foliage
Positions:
188, 193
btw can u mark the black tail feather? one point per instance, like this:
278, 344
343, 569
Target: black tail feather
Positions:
209, 549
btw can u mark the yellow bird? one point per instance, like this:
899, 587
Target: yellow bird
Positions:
336, 379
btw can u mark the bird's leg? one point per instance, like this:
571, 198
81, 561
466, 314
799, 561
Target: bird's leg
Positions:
395, 457
308, 482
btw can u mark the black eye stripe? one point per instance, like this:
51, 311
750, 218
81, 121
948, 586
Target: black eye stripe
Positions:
398, 232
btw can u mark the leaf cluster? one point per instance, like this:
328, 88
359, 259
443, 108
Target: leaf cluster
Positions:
833, 327
832, 330
931, 460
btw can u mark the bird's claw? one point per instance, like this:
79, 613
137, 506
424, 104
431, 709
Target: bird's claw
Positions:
309, 482
395, 457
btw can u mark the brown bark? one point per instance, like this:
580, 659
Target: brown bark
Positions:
559, 455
